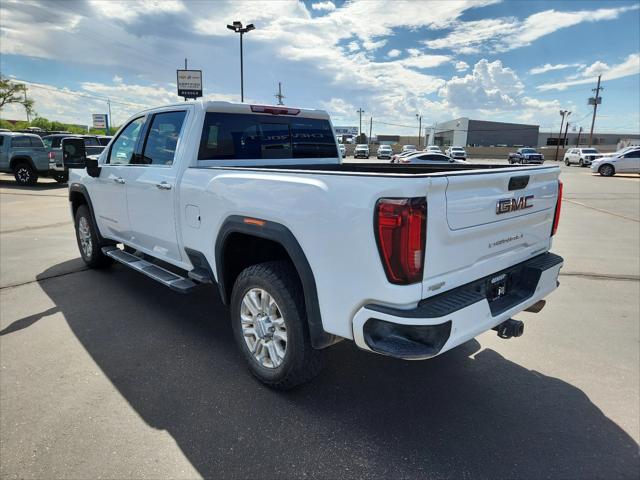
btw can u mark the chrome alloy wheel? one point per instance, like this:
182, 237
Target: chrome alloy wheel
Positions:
84, 235
23, 174
263, 328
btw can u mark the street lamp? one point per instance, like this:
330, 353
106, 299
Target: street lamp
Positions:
562, 114
419, 117
238, 28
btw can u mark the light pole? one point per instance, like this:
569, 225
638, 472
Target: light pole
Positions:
238, 28
562, 114
419, 117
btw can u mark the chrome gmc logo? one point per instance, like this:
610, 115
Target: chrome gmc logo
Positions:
513, 204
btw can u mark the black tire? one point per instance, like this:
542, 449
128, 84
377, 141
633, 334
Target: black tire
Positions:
581, 163
607, 170
25, 174
93, 257
301, 361
61, 177
566, 162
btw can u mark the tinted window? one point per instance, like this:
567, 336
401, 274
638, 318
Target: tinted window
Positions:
528, 150
19, 142
635, 154
104, 140
236, 136
160, 147
36, 142
91, 142
1, 140
123, 146
589, 150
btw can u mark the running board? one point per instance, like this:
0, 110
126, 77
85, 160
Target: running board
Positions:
159, 274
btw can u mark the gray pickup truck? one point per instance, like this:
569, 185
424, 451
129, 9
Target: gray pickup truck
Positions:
24, 155
94, 145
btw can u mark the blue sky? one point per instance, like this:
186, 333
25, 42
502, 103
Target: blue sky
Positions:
486, 59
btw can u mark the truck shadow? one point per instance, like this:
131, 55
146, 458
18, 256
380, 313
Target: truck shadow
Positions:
469, 413
42, 185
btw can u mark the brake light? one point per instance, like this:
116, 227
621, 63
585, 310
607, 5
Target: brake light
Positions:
274, 110
52, 155
400, 227
556, 217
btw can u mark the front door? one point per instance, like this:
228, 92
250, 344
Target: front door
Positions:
151, 187
629, 163
108, 191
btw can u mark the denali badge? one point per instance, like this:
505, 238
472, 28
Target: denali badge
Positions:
513, 204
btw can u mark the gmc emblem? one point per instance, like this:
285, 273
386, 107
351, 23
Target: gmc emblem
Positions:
513, 204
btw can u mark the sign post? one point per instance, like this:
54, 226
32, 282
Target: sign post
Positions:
189, 83
101, 120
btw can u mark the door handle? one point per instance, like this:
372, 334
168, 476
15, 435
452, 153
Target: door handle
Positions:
119, 180
163, 186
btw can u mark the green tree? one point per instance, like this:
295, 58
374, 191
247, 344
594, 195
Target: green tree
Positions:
41, 122
13, 92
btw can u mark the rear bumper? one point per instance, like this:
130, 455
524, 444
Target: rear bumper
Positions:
444, 321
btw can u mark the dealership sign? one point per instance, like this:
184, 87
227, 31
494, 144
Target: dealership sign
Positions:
190, 83
353, 131
100, 120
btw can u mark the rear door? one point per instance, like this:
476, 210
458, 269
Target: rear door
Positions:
484, 221
629, 163
151, 186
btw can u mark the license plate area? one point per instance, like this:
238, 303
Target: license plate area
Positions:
498, 286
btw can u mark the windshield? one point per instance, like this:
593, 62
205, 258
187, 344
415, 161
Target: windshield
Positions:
47, 142
589, 150
528, 150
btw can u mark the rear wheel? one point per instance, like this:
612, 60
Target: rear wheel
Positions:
581, 163
606, 170
25, 174
61, 177
88, 243
270, 325
566, 162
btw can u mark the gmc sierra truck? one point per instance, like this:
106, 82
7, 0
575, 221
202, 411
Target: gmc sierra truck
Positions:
408, 261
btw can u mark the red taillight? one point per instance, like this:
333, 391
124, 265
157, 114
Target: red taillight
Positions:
556, 217
52, 155
274, 110
401, 227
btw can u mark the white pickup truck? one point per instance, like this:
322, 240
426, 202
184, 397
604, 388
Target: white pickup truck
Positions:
406, 260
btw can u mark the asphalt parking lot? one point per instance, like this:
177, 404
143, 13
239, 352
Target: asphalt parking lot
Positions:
106, 374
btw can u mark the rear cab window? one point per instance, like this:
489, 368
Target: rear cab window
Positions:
232, 136
21, 142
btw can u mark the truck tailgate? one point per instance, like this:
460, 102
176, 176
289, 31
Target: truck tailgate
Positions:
482, 222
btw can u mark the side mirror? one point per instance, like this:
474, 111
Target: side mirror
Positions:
93, 169
74, 153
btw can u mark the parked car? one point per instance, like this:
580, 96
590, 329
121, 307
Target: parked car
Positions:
24, 155
384, 151
433, 149
408, 148
104, 139
361, 151
526, 155
581, 156
343, 150
623, 161
54, 147
308, 251
398, 156
456, 152
429, 158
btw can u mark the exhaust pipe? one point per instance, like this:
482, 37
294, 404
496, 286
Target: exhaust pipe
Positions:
510, 328
536, 307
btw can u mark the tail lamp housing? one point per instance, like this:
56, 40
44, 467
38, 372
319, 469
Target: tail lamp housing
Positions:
556, 216
52, 155
401, 229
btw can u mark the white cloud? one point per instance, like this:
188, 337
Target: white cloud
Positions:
393, 53
353, 46
631, 66
461, 66
547, 67
326, 6
128, 11
508, 33
338, 107
371, 45
117, 79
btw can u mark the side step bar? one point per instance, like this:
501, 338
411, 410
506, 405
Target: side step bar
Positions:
159, 274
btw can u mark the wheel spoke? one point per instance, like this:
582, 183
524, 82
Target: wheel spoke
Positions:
273, 354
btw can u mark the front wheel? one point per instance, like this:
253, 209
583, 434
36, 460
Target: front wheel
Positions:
270, 325
25, 174
606, 170
581, 163
87, 238
61, 177
566, 162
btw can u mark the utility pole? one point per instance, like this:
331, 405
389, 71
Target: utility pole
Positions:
562, 114
279, 95
25, 101
596, 100
578, 140
109, 116
360, 111
419, 117
370, 126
